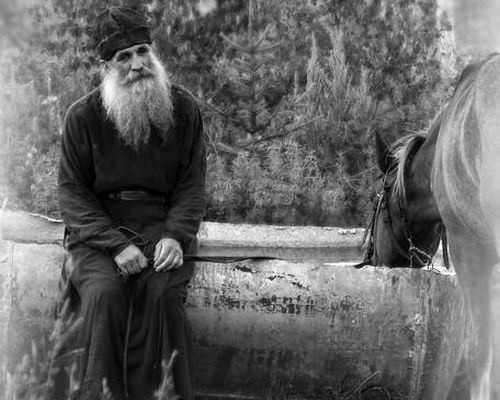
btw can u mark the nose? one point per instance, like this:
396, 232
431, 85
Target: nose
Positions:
136, 63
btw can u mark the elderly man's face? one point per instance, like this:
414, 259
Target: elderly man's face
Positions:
133, 63
136, 94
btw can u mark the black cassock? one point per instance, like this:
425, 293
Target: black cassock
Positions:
130, 325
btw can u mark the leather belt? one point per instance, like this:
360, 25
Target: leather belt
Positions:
134, 195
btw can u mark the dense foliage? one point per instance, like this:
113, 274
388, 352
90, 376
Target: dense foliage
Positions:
292, 93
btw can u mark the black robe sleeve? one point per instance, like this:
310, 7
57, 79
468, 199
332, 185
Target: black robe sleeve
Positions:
80, 208
187, 203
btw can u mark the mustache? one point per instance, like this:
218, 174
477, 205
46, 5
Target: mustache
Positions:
135, 76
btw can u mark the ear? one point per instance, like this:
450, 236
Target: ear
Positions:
384, 156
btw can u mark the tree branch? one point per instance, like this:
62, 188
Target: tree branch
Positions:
283, 133
220, 112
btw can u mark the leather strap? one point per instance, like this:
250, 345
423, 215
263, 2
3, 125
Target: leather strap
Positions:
134, 195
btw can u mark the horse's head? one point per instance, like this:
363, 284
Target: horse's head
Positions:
405, 228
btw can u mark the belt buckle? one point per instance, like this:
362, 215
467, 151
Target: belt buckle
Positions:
134, 195
115, 196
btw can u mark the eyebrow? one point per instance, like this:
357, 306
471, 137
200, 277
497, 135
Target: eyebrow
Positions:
128, 52
122, 53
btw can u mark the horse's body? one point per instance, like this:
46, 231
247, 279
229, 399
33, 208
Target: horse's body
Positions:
453, 176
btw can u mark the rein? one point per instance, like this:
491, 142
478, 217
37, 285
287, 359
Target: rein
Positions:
146, 247
413, 253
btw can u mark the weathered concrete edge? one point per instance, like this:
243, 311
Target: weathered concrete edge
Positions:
25, 227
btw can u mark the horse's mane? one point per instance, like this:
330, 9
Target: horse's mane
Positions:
402, 149
406, 147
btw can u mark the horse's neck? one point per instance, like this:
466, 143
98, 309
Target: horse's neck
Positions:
421, 203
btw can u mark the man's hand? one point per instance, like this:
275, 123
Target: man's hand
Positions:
168, 255
131, 260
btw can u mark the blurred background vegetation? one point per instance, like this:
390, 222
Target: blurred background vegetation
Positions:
291, 92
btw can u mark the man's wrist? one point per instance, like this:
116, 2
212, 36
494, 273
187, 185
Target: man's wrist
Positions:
173, 237
115, 250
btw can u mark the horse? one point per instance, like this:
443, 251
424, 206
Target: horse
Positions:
446, 185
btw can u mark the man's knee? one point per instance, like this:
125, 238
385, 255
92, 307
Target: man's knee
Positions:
166, 295
104, 295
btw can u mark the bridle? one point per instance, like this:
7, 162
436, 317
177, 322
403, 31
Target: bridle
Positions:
406, 248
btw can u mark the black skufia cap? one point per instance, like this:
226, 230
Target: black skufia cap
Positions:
117, 28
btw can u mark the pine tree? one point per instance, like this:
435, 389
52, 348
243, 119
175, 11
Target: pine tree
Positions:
255, 101
264, 84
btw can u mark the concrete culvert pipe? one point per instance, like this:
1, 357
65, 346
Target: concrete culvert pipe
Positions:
307, 327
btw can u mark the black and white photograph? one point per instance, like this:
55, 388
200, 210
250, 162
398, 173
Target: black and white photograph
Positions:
250, 200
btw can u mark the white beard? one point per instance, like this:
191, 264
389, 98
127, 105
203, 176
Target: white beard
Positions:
138, 101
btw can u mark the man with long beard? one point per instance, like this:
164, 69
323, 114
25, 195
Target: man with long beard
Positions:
131, 190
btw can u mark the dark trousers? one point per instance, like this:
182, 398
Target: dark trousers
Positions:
151, 304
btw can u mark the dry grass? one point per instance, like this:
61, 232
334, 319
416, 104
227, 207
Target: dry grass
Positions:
369, 388
166, 389
36, 376
49, 370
